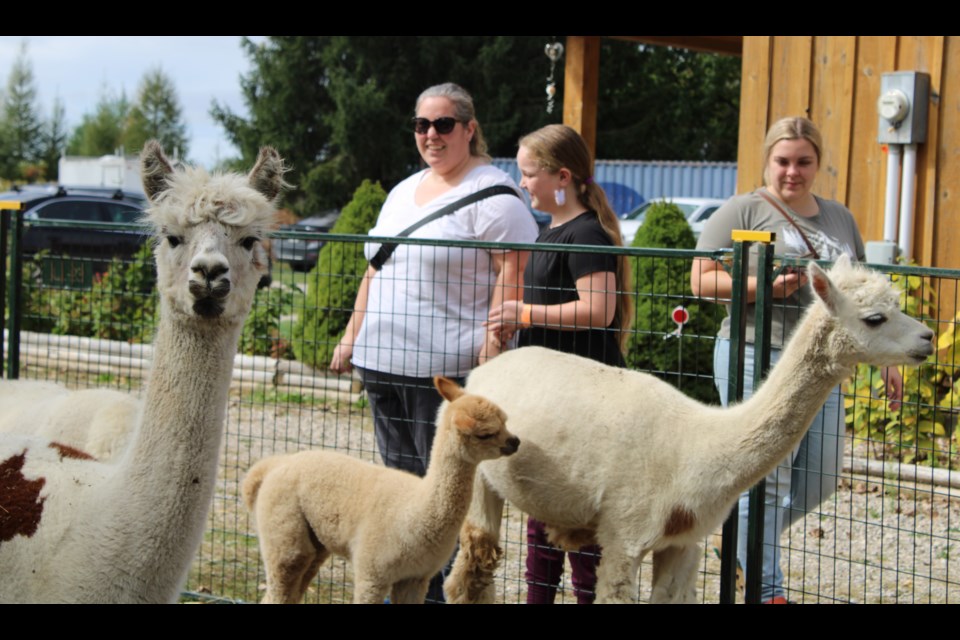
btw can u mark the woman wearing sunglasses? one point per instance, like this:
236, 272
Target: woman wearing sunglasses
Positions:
806, 226
420, 310
572, 302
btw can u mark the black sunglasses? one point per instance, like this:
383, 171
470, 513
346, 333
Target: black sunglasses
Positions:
443, 125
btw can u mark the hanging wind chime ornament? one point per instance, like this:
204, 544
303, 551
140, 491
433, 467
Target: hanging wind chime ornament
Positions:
553, 51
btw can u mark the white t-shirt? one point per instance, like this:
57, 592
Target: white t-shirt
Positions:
426, 306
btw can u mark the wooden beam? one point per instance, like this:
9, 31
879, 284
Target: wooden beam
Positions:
831, 109
581, 84
726, 45
754, 103
867, 173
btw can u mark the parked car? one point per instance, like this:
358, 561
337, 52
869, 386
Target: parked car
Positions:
79, 204
302, 253
697, 210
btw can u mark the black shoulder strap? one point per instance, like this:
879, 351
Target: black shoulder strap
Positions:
387, 248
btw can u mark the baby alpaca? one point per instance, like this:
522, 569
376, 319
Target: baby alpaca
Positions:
398, 530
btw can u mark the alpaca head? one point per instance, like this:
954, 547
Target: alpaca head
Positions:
480, 425
209, 229
869, 326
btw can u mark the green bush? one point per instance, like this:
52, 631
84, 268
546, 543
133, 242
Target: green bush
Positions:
261, 331
332, 284
120, 304
662, 284
123, 303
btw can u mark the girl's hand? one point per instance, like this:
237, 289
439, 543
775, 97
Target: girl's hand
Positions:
505, 317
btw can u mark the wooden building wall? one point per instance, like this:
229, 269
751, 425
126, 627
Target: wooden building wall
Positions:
835, 81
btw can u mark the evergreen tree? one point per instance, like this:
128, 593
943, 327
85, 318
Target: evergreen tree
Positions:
662, 284
54, 140
333, 283
101, 132
156, 114
339, 107
21, 127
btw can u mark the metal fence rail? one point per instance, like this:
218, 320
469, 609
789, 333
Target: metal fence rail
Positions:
890, 534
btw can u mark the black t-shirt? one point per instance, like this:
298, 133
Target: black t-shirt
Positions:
551, 278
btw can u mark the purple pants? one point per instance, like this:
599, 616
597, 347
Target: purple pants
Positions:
545, 568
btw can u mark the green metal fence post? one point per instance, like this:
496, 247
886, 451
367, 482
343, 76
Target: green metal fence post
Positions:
738, 303
15, 294
3, 277
763, 310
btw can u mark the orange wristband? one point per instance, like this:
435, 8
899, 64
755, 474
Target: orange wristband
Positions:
525, 316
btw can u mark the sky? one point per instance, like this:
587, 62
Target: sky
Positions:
78, 68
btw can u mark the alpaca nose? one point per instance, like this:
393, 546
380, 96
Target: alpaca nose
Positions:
513, 443
210, 272
209, 281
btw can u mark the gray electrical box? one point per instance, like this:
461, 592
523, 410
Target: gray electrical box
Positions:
902, 107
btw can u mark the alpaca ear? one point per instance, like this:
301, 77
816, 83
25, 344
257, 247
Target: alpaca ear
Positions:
449, 389
842, 264
154, 167
823, 286
267, 174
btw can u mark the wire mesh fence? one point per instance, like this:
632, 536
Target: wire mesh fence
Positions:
890, 533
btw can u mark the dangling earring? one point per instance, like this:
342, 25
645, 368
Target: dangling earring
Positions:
560, 196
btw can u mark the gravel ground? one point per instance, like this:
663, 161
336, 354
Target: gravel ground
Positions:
877, 540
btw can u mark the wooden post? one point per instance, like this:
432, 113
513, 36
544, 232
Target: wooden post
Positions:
581, 82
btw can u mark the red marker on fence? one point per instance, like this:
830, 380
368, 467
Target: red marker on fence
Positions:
680, 317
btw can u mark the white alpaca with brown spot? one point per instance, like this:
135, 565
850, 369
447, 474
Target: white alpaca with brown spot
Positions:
397, 530
623, 457
73, 529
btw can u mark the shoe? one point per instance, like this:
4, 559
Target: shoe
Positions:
777, 600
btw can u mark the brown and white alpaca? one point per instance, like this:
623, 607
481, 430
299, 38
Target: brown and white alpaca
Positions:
624, 458
398, 530
74, 529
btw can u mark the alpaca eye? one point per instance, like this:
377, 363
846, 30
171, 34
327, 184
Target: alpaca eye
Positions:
485, 436
174, 241
875, 320
248, 242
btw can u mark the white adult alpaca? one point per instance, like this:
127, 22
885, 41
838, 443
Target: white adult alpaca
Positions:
73, 529
625, 458
398, 530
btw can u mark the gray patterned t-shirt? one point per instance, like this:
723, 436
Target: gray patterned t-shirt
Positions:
833, 231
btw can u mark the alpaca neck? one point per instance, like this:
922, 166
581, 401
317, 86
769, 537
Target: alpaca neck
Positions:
167, 477
776, 417
445, 491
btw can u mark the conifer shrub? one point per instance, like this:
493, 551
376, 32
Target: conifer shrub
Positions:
333, 283
662, 284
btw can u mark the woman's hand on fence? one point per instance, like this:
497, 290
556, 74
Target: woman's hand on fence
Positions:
787, 283
340, 362
894, 386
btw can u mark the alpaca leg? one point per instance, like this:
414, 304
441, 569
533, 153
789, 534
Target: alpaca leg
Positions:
617, 576
290, 552
288, 574
312, 570
412, 591
471, 578
369, 591
675, 575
